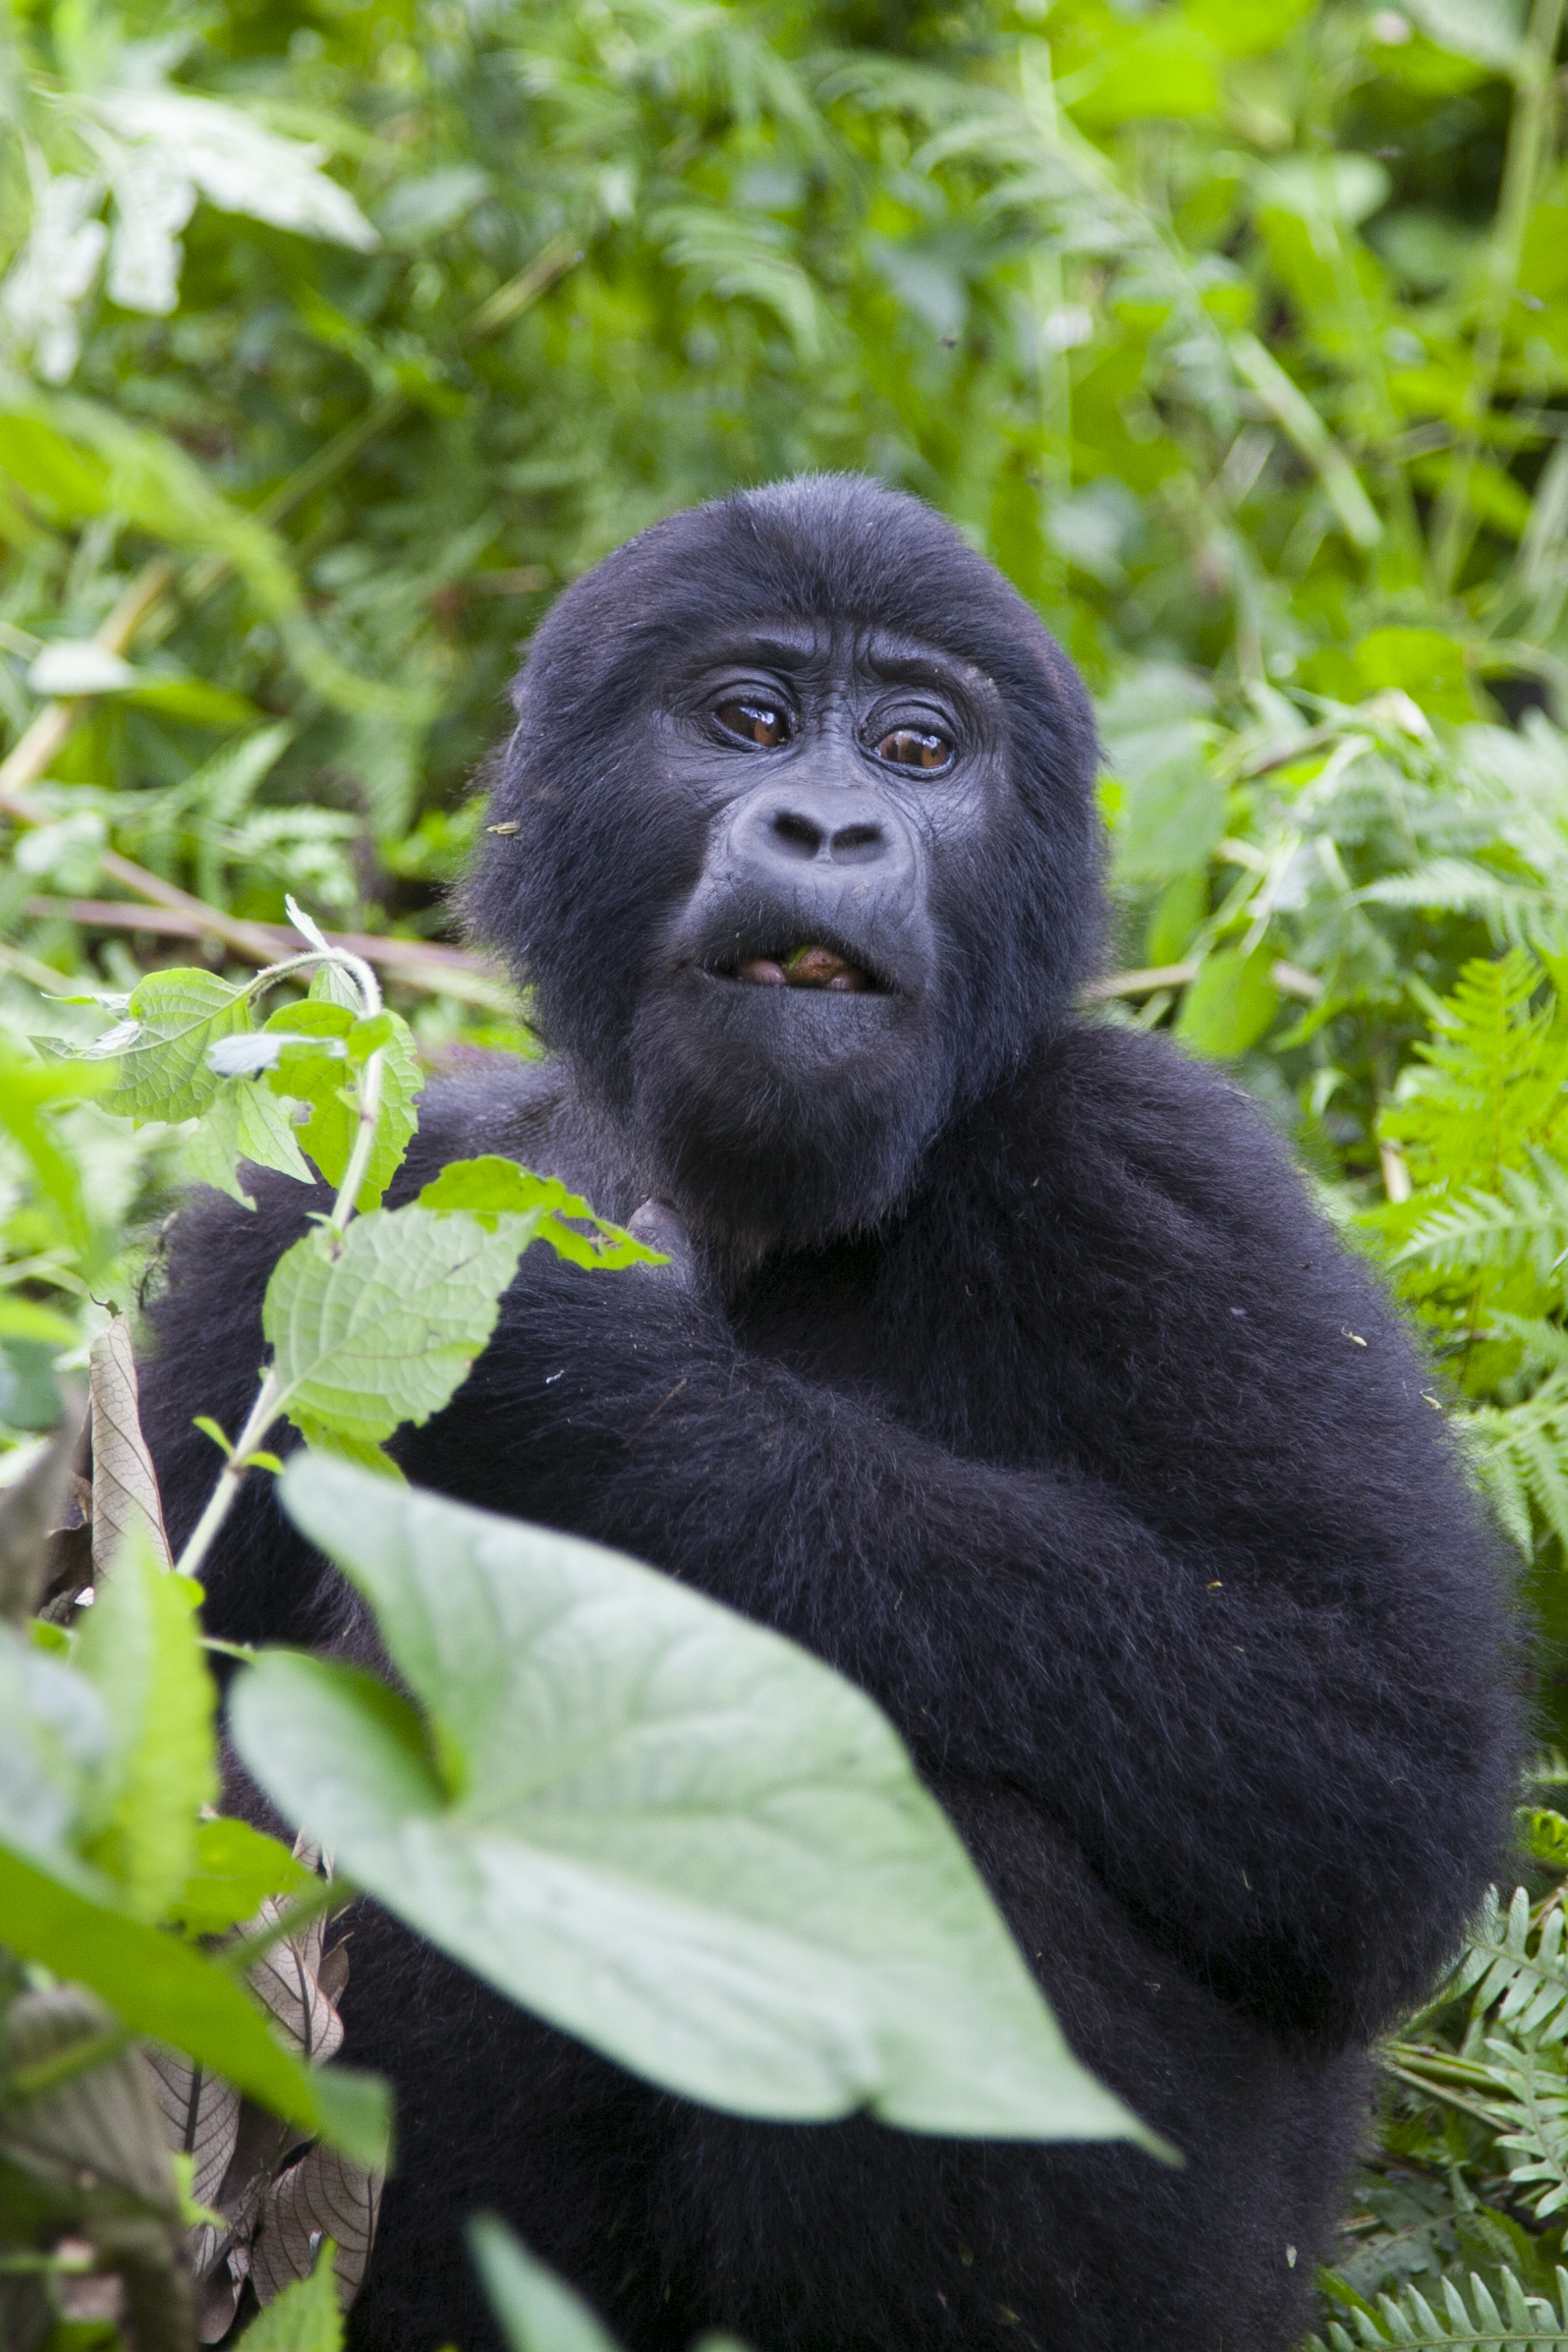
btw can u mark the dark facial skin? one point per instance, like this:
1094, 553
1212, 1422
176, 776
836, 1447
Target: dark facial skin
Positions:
847, 785
836, 771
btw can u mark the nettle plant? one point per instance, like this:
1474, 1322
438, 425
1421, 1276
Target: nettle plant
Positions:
796, 1930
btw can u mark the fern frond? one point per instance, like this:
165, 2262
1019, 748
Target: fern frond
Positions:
1519, 1969
1524, 1223
1533, 2118
1520, 1455
731, 254
1524, 2323
1518, 914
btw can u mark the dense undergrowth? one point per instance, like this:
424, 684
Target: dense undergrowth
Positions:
335, 340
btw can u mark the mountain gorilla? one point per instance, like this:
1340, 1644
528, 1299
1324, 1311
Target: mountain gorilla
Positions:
1002, 1362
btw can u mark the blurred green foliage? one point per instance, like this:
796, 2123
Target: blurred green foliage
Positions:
1235, 331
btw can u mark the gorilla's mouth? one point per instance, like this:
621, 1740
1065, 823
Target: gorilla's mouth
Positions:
811, 964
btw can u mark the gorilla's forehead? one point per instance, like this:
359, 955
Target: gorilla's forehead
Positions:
824, 647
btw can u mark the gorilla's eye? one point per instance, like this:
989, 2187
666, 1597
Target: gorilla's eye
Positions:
754, 722
915, 747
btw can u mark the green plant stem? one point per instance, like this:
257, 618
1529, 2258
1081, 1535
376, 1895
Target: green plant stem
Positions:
221, 1503
1454, 526
264, 1412
1430, 2089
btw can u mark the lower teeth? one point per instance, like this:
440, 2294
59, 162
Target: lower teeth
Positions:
807, 967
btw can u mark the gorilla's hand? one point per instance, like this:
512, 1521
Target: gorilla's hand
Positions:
659, 1225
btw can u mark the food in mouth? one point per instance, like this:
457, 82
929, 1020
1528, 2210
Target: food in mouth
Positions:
807, 967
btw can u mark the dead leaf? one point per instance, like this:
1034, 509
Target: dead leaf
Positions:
30, 1510
322, 2196
125, 1485
288, 1981
201, 2117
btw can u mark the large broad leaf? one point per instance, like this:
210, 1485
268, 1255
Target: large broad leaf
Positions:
139, 1647
379, 1326
666, 1829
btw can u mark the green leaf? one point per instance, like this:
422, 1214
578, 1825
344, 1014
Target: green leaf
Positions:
323, 1439
536, 2311
324, 1080
492, 1189
28, 1088
159, 1051
192, 699
385, 1330
140, 1649
1172, 816
306, 2318
1424, 663
1489, 32
1229, 1005
243, 1121
161, 1985
234, 1870
666, 1829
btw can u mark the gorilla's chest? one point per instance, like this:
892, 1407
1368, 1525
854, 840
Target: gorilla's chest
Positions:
944, 1349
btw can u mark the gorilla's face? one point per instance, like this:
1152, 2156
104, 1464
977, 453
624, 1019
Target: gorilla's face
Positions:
799, 852
799, 1010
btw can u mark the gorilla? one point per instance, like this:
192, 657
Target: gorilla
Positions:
1001, 1361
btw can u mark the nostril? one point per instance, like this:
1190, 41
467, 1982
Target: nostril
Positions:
797, 833
858, 841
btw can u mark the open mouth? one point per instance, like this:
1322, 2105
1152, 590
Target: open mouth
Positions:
807, 964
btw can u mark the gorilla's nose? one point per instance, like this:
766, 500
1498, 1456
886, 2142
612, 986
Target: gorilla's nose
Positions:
782, 832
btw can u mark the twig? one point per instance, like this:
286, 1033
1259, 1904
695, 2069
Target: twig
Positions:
31, 755
1288, 978
427, 963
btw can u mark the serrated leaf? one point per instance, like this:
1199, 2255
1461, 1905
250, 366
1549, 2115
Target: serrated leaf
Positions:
161, 1069
491, 1188
384, 1332
325, 1439
312, 1073
140, 1649
244, 1122
666, 1829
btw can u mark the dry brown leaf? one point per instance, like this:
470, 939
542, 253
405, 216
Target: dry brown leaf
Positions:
288, 1981
322, 2196
201, 2117
125, 1485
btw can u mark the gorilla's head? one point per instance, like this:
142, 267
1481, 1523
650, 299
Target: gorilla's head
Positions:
797, 848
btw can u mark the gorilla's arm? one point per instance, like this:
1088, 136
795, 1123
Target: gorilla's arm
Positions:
1240, 1646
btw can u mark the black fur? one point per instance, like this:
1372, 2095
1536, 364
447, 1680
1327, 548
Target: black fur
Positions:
1028, 1390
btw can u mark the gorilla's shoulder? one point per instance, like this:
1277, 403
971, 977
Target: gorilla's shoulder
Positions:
1104, 1111
480, 1101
